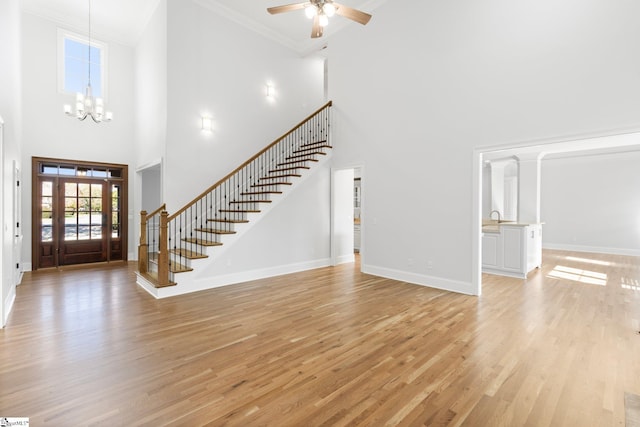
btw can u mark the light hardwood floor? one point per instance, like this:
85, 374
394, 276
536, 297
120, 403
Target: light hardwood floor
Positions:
327, 347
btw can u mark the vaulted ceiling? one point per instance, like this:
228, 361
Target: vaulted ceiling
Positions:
124, 20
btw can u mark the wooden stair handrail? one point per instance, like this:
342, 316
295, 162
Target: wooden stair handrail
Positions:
208, 190
143, 256
157, 211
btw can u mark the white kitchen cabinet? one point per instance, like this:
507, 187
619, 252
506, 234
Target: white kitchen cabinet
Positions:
512, 249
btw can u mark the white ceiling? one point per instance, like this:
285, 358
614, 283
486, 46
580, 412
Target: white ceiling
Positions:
124, 20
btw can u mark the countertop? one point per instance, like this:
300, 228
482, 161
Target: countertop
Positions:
493, 225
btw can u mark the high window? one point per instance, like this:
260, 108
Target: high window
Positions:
73, 64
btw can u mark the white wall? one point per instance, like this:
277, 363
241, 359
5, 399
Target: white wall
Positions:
10, 141
151, 89
425, 83
295, 235
48, 132
592, 203
220, 68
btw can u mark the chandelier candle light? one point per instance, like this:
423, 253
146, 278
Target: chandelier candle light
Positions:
87, 105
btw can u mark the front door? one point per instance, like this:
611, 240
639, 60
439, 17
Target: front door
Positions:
82, 221
78, 214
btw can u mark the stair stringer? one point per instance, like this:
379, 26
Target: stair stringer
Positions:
194, 281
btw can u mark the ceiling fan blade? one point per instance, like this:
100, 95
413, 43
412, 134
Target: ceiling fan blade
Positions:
287, 8
351, 13
316, 30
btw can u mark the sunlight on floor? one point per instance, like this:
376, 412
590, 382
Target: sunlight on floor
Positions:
588, 260
630, 284
578, 275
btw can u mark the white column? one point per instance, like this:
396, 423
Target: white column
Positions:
529, 187
497, 187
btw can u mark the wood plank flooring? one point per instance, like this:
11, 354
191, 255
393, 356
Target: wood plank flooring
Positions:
328, 347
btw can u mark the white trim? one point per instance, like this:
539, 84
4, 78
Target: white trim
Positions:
335, 260
150, 164
591, 249
231, 279
580, 142
27, 266
4, 312
303, 47
345, 259
421, 279
8, 305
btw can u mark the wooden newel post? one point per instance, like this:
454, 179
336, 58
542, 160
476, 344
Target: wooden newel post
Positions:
143, 247
163, 252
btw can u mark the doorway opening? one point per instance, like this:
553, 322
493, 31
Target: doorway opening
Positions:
79, 212
346, 215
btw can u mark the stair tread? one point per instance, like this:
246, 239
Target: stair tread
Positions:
293, 162
288, 169
255, 193
289, 175
215, 231
152, 276
271, 184
176, 267
311, 148
231, 221
312, 153
201, 242
311, 144
188, 254
249, 201
239, 210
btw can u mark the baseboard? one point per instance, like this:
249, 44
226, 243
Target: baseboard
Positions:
26, 266
344, 259
421, 279
240, 277
592, 249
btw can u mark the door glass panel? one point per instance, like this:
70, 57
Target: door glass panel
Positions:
96, 190
70, 232
70, 189
46, 209
70, 211
101, 173
96, 232
67, 170
115, 210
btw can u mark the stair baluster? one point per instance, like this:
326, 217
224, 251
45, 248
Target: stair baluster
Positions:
186, 234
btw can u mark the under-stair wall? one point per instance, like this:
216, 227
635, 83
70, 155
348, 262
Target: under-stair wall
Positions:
241, 228
293, 236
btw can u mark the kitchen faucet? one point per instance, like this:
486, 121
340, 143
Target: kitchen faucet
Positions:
491, 215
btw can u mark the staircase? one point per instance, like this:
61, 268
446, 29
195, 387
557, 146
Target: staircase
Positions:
173, 246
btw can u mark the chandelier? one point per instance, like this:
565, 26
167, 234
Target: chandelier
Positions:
86, 104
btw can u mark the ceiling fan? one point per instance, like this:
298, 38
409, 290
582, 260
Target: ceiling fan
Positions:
320, 11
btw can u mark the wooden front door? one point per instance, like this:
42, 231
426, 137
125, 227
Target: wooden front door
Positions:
82, 220
78, 214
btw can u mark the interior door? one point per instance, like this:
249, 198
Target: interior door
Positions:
82, 221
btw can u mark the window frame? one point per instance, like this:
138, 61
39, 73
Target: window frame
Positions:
104, 58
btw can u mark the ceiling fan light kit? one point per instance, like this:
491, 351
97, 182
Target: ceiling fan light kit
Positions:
320, 11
